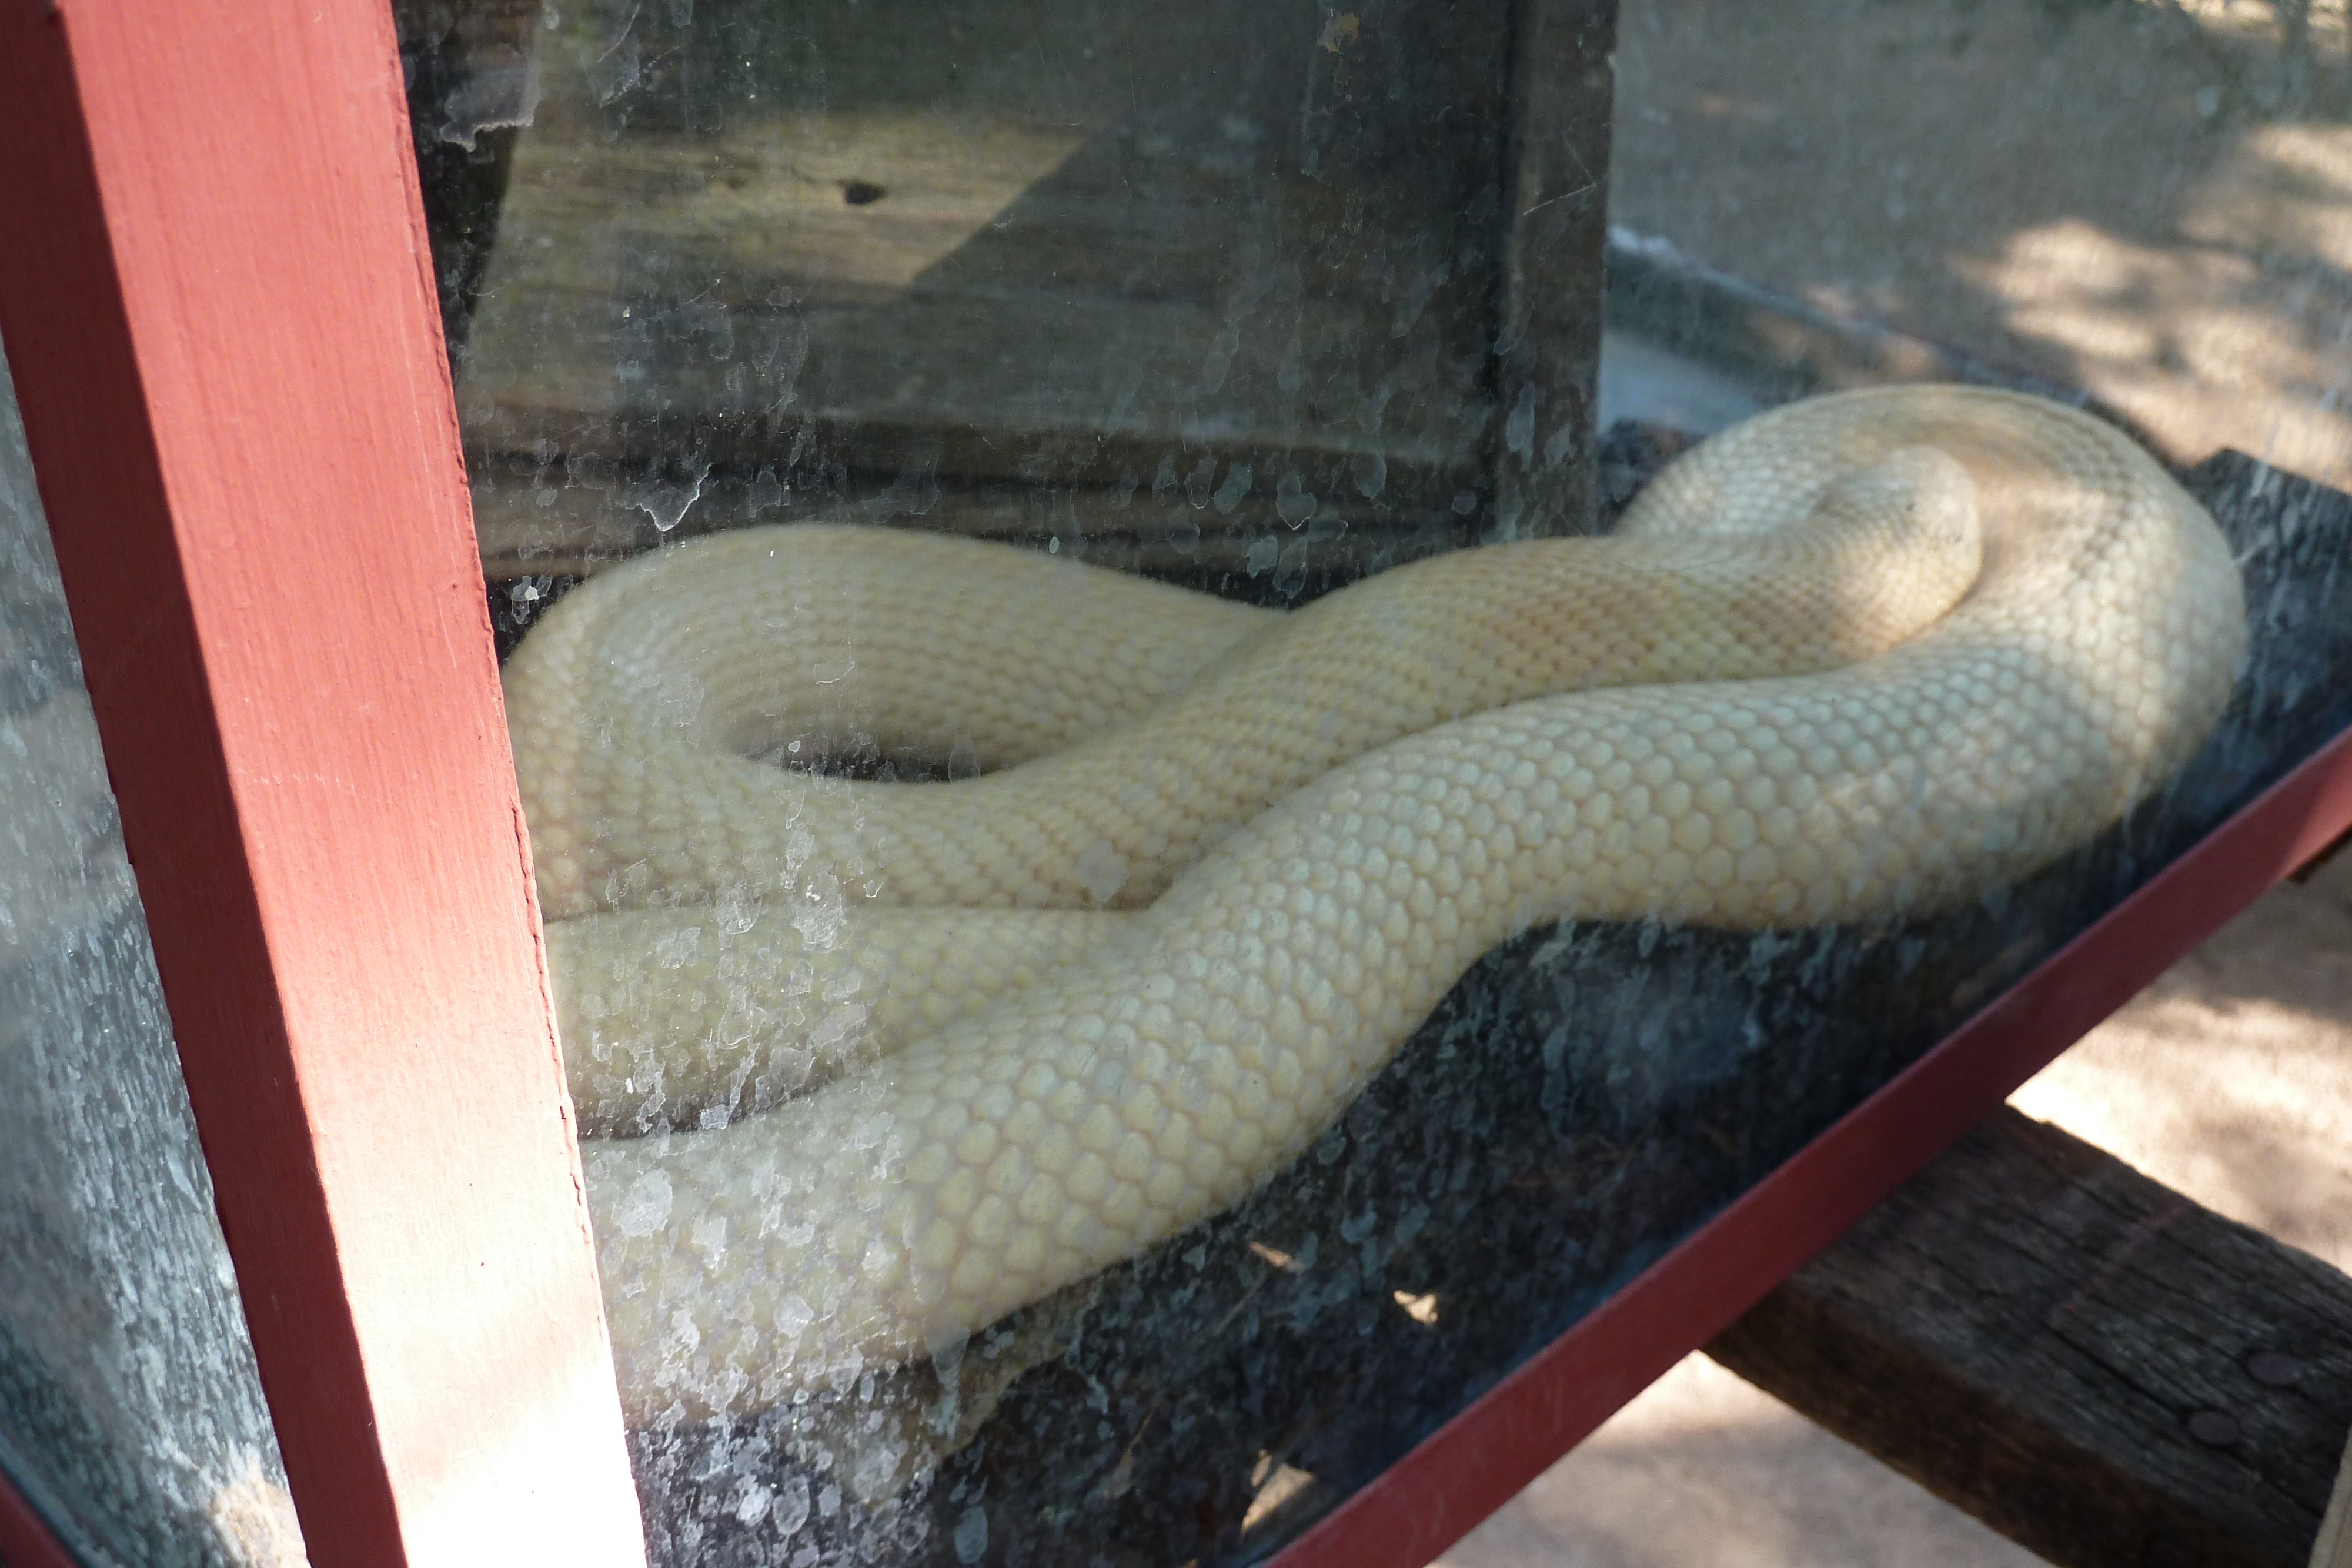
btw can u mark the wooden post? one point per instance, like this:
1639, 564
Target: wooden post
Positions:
215, 296
1547, 340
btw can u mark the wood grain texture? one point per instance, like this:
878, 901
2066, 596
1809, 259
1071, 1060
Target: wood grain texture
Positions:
2079, 1356
1090, 248
226, 349
530, 527
1548, 344
1482, 1458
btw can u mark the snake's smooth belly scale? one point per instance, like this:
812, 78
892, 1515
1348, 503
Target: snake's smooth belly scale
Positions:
1165, 1061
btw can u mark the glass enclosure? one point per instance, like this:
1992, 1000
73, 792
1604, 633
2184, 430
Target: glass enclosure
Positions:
1037, 550
1222, 707
131, 1412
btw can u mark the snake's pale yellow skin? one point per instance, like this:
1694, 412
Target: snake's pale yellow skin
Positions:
640, 720
674, 1016
1169, 1059
634, 715
691, 1016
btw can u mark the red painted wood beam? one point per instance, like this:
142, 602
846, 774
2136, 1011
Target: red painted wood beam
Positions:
26, 1539
215, 299
1480, 1459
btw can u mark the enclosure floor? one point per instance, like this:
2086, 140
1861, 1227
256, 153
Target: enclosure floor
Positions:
1788, 141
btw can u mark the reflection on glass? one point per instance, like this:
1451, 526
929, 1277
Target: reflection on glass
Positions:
1118, 972
1175, 288
131, 1412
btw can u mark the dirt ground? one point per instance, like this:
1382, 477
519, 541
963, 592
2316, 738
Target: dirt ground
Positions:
2149, 199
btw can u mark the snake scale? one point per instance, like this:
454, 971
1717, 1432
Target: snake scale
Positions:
907, 1056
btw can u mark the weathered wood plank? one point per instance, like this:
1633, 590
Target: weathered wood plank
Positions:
2086, 1360
572, 519
913, 250
1549, 338
1094, 249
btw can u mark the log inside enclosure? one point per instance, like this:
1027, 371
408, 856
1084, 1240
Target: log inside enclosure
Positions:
1214, 279
2085, 1359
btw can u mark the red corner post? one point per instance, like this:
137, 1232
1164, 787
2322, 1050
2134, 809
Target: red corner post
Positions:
214, 295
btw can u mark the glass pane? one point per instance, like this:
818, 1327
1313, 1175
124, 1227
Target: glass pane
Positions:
131, 1412
1136, 917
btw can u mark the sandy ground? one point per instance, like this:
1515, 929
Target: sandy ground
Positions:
2149, 200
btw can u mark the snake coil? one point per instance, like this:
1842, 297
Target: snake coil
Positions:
908, 1056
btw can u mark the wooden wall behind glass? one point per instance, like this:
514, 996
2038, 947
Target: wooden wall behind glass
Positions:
1260, 294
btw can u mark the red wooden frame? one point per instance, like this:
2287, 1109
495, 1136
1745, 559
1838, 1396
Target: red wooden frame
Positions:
228, 356
224, 338
25, 1538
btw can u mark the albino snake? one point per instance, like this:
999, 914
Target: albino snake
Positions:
1860, 658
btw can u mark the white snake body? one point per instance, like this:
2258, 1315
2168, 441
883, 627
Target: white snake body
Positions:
1222, 872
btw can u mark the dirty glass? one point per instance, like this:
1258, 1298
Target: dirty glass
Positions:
130, 1411
1038, 549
